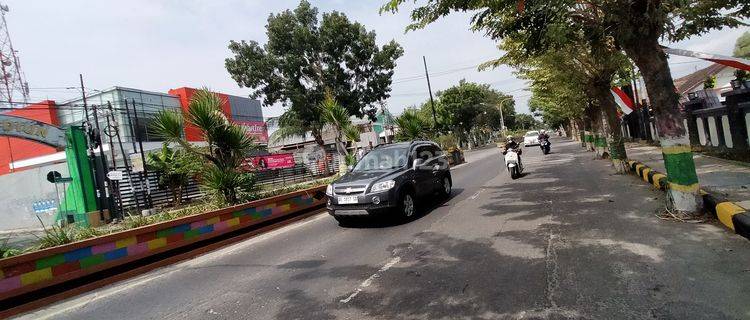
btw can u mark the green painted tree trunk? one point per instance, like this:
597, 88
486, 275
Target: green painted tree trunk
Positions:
684, 188
614, 139
598, 141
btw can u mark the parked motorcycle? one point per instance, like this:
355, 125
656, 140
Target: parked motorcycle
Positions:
545, 146
512, 163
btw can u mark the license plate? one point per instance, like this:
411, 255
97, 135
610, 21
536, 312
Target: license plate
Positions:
348, 200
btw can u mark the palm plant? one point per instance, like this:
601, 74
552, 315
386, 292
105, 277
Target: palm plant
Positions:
411, 126
228, 145
336, 116
174, 168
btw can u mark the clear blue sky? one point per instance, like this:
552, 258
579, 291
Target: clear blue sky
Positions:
158, 45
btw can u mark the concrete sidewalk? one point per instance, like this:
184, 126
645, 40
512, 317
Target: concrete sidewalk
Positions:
730, 179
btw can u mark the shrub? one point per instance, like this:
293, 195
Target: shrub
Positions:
83, 233
710, 82
7, 251
135, 221
741, 75
56, 236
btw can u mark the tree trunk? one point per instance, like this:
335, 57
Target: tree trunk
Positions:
588, 138
318, 138
173, 190
579, 130
614, 138
684, 190
594, 115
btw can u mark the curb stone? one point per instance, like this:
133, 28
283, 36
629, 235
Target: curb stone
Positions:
730, 214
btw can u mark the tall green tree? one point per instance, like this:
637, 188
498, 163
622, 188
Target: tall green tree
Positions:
228, 145
463, 106
742, 46
636, 26
304, 57
525, 121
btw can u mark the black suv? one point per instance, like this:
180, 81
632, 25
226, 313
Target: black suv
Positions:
389, 179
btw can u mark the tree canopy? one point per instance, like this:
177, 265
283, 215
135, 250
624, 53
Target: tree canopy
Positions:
742, 46
304, 57
461, 106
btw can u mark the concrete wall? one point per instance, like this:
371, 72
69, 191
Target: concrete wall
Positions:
27, 194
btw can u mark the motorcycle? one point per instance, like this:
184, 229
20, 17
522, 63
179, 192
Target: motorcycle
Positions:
545, 145
513, 164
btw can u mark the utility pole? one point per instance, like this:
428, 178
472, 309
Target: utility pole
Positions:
130, 126
114, 183
87, 128
124, 158
432, 103
85, 106
502, 120
143, 158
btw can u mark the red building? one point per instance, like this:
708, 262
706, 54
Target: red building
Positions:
240, 110
15, 149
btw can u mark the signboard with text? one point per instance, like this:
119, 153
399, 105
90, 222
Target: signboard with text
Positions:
255, 129
23, 128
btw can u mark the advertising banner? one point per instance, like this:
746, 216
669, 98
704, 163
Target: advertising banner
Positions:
270, 162
255, 129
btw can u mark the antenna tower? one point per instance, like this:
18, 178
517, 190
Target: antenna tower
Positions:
14, 90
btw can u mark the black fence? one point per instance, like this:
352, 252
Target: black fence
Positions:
134, 194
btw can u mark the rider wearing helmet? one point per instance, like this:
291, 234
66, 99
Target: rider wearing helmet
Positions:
511, 144
542, 136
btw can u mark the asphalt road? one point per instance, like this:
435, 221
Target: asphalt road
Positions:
568, 240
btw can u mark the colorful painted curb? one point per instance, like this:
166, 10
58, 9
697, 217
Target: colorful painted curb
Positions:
40, 269
730, 214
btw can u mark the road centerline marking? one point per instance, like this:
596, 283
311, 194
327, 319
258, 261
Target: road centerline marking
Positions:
476, 194
371, 278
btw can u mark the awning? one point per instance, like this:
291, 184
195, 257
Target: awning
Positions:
733, 62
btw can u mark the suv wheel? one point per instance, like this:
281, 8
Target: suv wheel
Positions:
446, 187
407, 206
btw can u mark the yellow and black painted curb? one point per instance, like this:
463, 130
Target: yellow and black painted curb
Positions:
657, 179
730, 214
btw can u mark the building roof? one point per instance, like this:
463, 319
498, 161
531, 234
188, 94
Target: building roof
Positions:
94, 93
689, 82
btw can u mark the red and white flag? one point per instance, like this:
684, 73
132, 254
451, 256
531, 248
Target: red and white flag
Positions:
733, 62
623, 100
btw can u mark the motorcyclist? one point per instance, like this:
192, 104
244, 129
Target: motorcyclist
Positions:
511, 144
543, 136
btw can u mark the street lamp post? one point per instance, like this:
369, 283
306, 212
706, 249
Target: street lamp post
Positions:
500, 106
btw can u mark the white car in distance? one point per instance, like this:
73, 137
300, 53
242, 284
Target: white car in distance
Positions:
531, 138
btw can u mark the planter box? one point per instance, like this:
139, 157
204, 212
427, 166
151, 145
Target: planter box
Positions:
40, 269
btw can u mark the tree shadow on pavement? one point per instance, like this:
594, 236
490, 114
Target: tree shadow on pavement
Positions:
592, 250
443, 277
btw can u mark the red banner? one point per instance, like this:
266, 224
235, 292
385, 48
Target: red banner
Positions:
269, 162
255, 129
